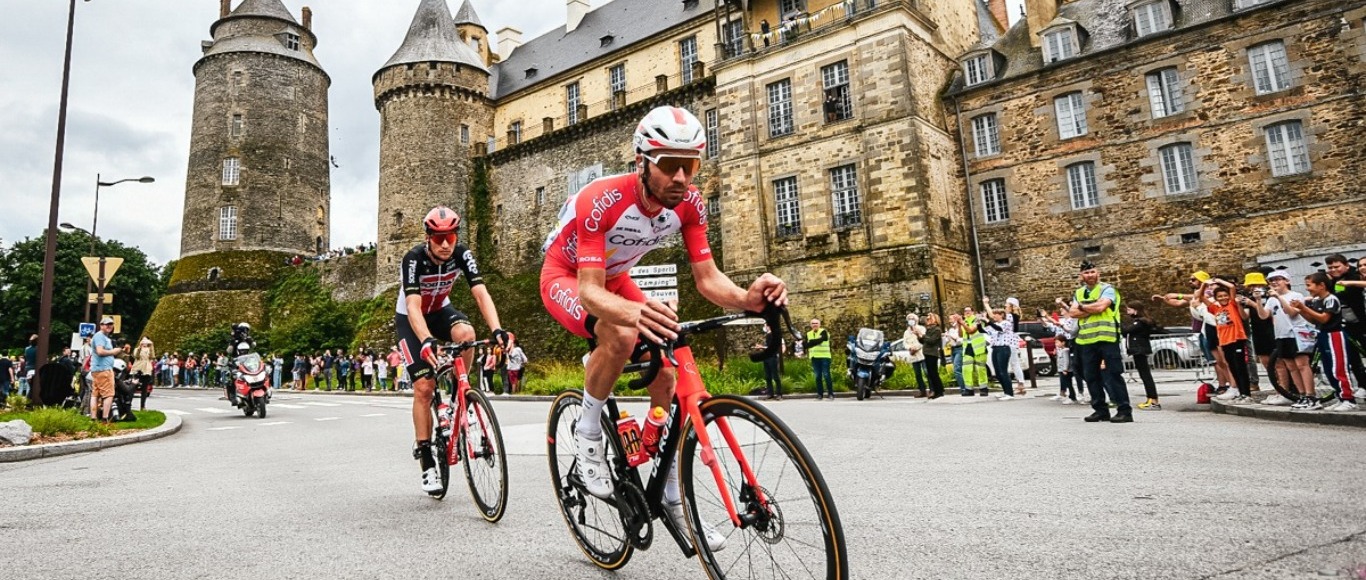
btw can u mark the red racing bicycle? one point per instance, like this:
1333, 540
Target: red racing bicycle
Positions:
468, 430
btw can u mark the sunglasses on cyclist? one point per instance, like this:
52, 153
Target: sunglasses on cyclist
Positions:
670, 164
442, 239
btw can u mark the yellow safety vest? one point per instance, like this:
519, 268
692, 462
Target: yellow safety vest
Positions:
1100, 327
977, 340
821, 350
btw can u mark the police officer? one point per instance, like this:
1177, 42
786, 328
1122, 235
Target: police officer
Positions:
1096, 308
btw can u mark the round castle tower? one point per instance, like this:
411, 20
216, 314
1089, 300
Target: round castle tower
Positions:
433, 100
259, 175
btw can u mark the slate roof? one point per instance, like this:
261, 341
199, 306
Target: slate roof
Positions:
466, 15
554, 52
1106, 24
432, 37
271, 8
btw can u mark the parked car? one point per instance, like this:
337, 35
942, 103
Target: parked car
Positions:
1178, 348
1040, 332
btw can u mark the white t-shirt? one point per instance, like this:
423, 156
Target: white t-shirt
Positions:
1201, 312
1284, 321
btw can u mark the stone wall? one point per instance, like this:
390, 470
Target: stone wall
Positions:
353, 278
1142, 237
423, 160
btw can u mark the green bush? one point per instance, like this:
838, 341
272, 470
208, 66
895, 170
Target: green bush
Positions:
52, 421
18, 403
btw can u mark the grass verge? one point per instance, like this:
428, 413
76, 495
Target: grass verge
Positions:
54, 422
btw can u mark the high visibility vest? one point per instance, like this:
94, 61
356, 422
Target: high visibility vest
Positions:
1100, 327
821, 350
977, 340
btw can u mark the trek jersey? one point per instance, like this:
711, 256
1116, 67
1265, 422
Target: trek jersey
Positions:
420, 275
604, 226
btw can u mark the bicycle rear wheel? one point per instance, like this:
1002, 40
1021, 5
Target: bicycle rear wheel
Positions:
595, 524
790, 527
487, 470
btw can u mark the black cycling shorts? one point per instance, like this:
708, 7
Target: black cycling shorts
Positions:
439, 323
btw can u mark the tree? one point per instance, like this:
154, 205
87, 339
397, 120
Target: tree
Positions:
136, 288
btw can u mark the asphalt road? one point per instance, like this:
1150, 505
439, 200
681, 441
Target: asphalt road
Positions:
956, 488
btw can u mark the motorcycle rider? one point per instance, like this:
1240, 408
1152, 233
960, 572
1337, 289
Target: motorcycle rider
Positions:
240, 344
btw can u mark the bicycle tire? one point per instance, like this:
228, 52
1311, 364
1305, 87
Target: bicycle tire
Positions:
439, 441
786, 513
491, 459
608, 548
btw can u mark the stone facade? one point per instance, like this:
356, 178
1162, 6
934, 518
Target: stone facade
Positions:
1236, 215
261, 104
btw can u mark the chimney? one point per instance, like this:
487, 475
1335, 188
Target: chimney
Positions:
1038, 13
509, 39
577, 10
224, 8
999, 13
308, 18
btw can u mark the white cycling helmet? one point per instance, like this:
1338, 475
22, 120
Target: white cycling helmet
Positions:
670, 128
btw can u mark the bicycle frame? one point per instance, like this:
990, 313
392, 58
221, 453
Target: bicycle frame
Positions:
457, 394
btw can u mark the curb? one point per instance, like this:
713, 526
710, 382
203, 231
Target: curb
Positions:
27, 452
534, 398
1272, 413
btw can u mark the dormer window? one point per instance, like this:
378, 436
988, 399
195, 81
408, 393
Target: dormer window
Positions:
531, 73
291, 41
606, 41
1060, 43
1152, 17
978, 68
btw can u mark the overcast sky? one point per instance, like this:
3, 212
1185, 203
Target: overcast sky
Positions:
132, 91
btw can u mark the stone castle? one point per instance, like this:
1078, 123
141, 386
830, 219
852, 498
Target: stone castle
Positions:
879, 155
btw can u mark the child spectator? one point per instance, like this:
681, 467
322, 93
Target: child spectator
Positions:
1324, 310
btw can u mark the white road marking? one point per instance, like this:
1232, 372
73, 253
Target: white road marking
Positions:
327, 418
374, 415
221, 428
275, 423
175, 412
214, 410
286, 406
322, 404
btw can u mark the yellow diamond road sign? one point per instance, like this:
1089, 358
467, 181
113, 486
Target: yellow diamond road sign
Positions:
92, 265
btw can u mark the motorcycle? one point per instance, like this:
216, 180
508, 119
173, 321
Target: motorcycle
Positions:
252, 385
869, 361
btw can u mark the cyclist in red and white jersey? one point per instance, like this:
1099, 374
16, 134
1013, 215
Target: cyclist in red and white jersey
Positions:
424, 314
605, 229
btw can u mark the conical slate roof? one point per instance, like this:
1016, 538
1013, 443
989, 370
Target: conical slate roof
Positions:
432, 38
466, 15
271, 8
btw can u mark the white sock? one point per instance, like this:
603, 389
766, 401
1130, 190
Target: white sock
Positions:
590, 423
671, 485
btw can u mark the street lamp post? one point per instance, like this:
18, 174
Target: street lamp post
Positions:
94, 226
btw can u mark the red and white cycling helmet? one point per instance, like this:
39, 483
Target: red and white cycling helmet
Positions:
670, 128
441, 220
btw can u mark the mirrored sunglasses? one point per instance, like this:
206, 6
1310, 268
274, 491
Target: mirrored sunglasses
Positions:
442, 239
670, 164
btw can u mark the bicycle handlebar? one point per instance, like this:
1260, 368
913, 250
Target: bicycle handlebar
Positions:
649, 370
455, 348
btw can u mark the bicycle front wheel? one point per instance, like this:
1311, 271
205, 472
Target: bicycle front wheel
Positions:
596, 524
485, 459
439, 443
789, 525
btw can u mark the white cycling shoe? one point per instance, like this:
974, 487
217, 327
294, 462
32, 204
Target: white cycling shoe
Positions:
431, 480
715, 541
597, 477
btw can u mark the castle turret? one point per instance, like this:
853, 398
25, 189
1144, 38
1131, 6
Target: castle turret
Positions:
473, 33
433, 100
259, 176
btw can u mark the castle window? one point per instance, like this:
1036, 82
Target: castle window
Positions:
733, 33
1165, 93
1178, 168
238, 78
540, 195
464, 134
227, 222
515, 133
713, 132
1151, 18
714, 205
788, 206
835, 79
1081, 185
1071, 111
1285, 143
291, 41
844, 196
571, 102
978, 69
531, 73
606, 41
687, 56
994, 201
1060, 44
1002, 263
235, 129
1190, 238
986, 135
1091, 251
790, 7
616, 79
232, 169
1270, 69
780, 108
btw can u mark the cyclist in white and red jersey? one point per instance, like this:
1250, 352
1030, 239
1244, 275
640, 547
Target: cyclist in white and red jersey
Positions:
424, 314
604, 230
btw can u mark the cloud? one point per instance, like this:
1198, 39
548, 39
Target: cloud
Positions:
132, 95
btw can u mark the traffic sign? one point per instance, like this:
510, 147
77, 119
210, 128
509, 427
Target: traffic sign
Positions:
92, 265
95, 298
662, 295
664, 282
656, 270
87, 330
